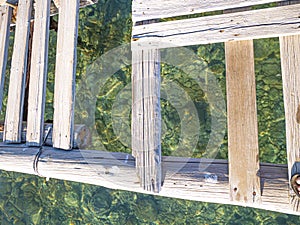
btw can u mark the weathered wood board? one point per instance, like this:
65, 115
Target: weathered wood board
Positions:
146, 117
154, 9
38, 74
5, 17
247, 25
15, 101
65, 73
117, 171
243, 155
290, 67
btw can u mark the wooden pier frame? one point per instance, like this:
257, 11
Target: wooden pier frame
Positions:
241, 180
237, 28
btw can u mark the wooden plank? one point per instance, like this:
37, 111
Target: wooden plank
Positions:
65, 73
15, 101
5, 17
243, 156
82, 135
146, 117
154, 9
117, 171
248, 25
38, 74
290, 67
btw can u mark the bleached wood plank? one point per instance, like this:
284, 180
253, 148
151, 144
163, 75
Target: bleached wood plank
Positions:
290, 67
38, 76
5, 17
15, 101
65, 73
243, 155
146, 118
247, 25
154, 9
117, 171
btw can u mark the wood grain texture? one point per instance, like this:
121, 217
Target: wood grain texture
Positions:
247, 25
146, 117
5, 17
290, 67
117, 171
38, 76
65, 73
15, 101
153, 9
243, 155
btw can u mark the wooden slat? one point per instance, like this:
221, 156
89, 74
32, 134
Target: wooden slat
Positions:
146, 118
65, 73
117, 171
14, 109
5, 17
38, 76
244, 182
154, 9
248, 25
290, 67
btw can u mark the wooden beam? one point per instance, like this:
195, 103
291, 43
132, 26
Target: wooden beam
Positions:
117, 171
153, 9
247, 25
243, 156
38, 76
146, 117
15, 101
290, 67
5, 17
65, 74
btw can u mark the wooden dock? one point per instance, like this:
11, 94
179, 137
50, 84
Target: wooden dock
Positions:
242, 180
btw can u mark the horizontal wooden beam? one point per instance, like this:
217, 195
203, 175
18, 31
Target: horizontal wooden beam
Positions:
154, 9
263, 23
194, 179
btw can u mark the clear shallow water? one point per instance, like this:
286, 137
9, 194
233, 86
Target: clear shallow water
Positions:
28, 199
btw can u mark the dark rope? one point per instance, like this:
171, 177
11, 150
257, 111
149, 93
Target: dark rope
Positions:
39, 153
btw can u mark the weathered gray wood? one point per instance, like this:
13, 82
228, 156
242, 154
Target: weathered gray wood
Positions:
38, 76
253, 24
153, 9
14, 108
146, 117
290, 67
65, 73
243, 155
5, 17
117, 171
81, 137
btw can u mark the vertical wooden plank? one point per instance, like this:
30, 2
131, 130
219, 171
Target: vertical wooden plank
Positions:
65, 73
146, 117
5, 17
15, 101
242, 122
38, 75
290, 67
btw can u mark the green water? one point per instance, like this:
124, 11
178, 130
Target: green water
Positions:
29, 199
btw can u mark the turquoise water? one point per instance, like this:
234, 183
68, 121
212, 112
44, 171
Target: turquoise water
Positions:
29, 199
